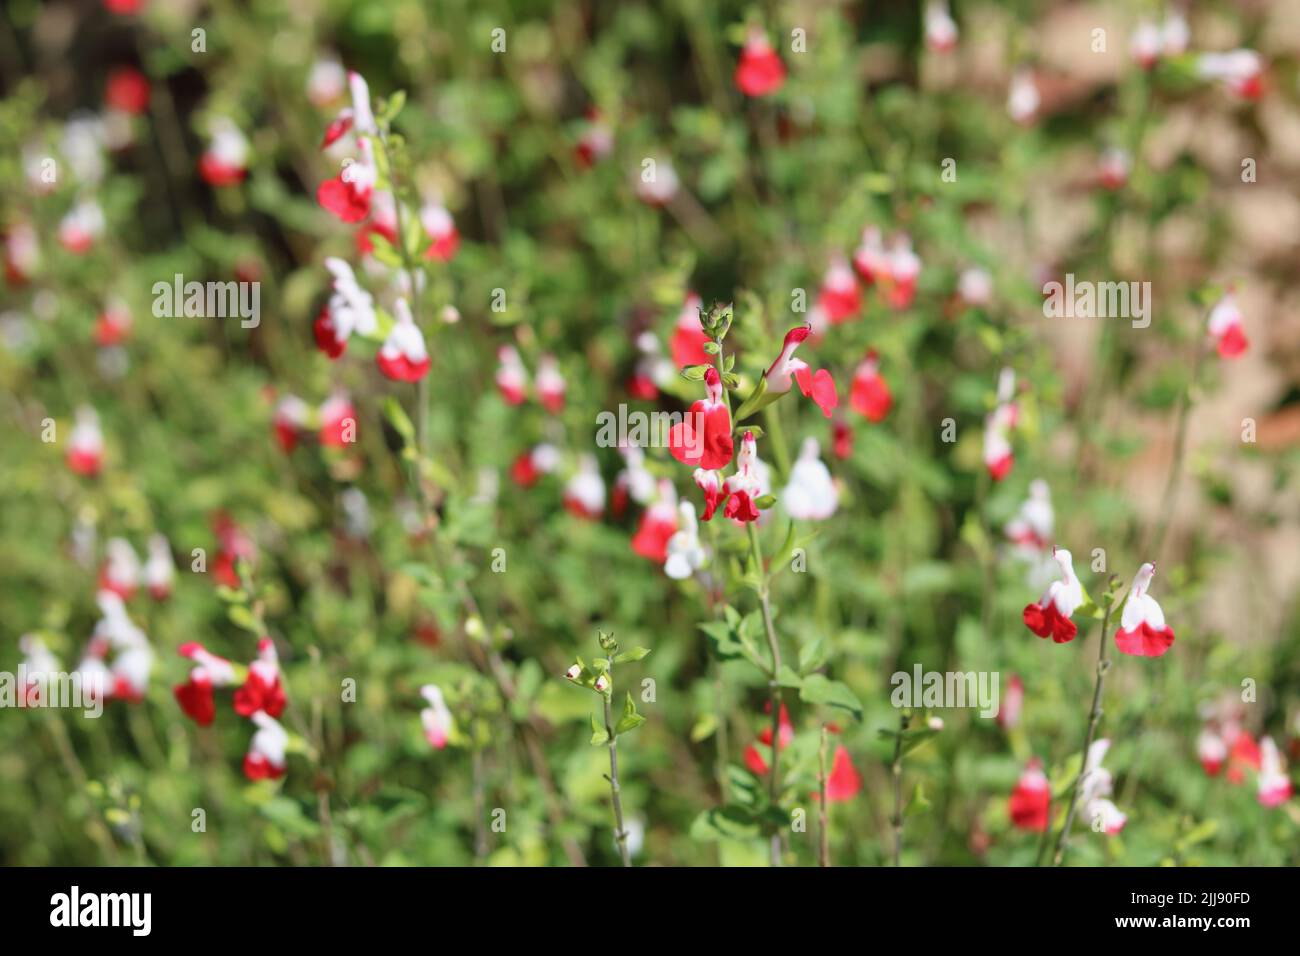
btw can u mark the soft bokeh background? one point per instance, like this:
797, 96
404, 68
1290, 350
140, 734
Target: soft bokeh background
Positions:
908, 571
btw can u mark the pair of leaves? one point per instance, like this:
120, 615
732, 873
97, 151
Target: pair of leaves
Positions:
629, 721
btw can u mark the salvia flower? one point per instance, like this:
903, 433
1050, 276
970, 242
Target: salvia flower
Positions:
1031, 798
1012, 703
262, 690
121, 571
1023, 99
338, 421
289, 421
265, 759
1225, 326
326, 82
1274, 786
113, 326
754, 758
940, 28
1114, 169
85, 453
811, 494
1051, 616
703, 437
436, 719
711, 484
870, 395
904, 270
1146, 44
225, 161
595, 142
82, 226
1142, 631
998, 454
133, 657
871, 259
159, 569
744, 487
688, 339
584, 493
658, 524
22, 253
127, 91
38, 664
350, 309
511, 376
685, 554
539, 460
195, 696
760, 71
1030, 531
839, 297
975, 287
1211, 751
444, 239
403, 356
348, 194
1094, 790
657, 185
819, 385
1240, 71
550, 384
843, 782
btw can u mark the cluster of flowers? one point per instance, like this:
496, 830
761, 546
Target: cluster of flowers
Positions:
843, 782
1224, 742
1030, 801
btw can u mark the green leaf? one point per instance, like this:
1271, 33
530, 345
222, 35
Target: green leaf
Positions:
712, 348
695, 373
763, 502
730, 822
918, 803
757, 400
598, 732
635, 654
812, 655
818, 689
394, 106
786, 677
630, 719
242, 617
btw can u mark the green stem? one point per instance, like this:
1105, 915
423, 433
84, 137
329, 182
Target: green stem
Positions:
1094, 717
823, 828
896, 770
620, 831
774, 685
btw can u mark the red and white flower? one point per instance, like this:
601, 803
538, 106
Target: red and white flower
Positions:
1094, 789
1031, 530
85, 453
82, 226
1225, 326
657, 185
1028, 806
745, 487
975, 287
584, 493
998, 454
444, 239
338, 421
195, 695
326, 82
1211, 751
819, 385
1240, 71
1146, 44
1051, 615
1142, 629
262, 689
233, 545
595, 142
870, 395
1115, 167
436, 718
511, 377
348, 194
653, 369
132, 662
688, 339
121, 571
904, 268
711, 484
40, 667
635, 481
1012, 703
550, 384
1023, 99
159, 568
703, 437
403, 356
839, 297
871, 258
760, 71
1274, 786
113, 325
685, 553
658, 524
811, 494
940, 28
843, 782
225, 161
539, 460
265, 759
291, 417
22, 253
